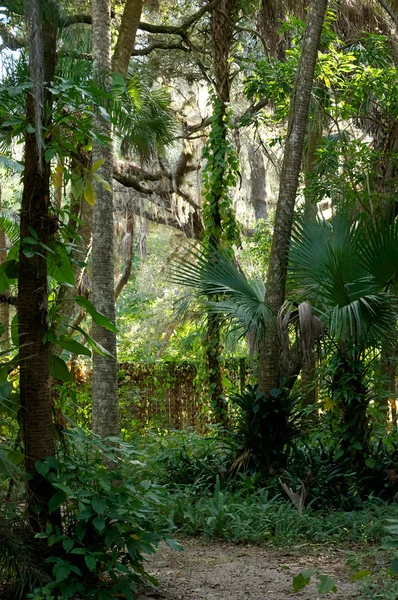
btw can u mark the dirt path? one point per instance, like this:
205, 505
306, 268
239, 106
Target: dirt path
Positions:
227, 572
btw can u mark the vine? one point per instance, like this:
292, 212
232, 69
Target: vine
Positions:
220, 174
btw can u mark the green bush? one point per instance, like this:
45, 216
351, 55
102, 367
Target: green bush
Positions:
108, 522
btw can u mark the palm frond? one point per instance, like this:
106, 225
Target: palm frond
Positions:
223, 289
336, 265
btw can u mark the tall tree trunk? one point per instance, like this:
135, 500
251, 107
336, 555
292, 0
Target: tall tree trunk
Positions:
222, 28
36, 409
4, 306
269, 360
128, 251
105, 398
388, 370
258, 192
127, 34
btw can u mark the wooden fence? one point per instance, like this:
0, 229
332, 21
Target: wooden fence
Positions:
168, 393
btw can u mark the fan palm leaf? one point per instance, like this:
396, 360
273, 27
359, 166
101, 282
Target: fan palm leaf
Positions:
332, 263
213, 274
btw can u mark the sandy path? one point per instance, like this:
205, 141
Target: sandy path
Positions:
229, 572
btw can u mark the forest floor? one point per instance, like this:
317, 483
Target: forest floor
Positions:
219, 571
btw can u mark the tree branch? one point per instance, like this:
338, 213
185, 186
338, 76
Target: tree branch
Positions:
11, 41
389, 11
159, 46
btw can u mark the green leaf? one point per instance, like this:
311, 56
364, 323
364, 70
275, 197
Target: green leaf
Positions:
98, 504
68, 545
90, 562
95, 345
99, 524
62, 573
59, 369
97, 317
49, 154
338, 454
71, 345
370, 462
309, 573
16, 457
55, 502
300, 582
42, 467
81, 530
89, 193
14, 330
97, 165
360, 575
60, 266
394, 566
326, 584
173, 544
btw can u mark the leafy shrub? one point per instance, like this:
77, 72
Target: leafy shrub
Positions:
266, 427
107, 523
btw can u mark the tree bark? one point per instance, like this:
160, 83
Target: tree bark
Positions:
36, 409
222, 28
257, 183
105, 394
4, 306
127, 34
269, 360
129, 250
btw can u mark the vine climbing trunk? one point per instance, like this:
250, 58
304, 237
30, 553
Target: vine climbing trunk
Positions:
105, 396
269, 374
222, 27
36, 408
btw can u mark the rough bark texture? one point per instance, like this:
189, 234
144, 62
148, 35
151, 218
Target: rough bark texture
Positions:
271, 18
388, 370
257, 183
127, 34
222, 29
269, 360
4, 306
128, 250
36, 409
81, 232
105, 398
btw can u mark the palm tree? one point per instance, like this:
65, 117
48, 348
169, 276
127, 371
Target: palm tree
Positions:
348, 271
345, 277
269, 359
36, 410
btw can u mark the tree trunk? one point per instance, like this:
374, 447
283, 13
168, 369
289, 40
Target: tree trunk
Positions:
105, 396
36, 409
4, 306
222, 28
128, 249
269, 360
388, 370
127, 34
257, 183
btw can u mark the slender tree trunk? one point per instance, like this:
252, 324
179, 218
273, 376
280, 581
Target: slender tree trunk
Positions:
128, 249
257, 183
81, 235
4, 306
269, 360
388, 369
36, 409
222, 28
105, 397
127, 34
